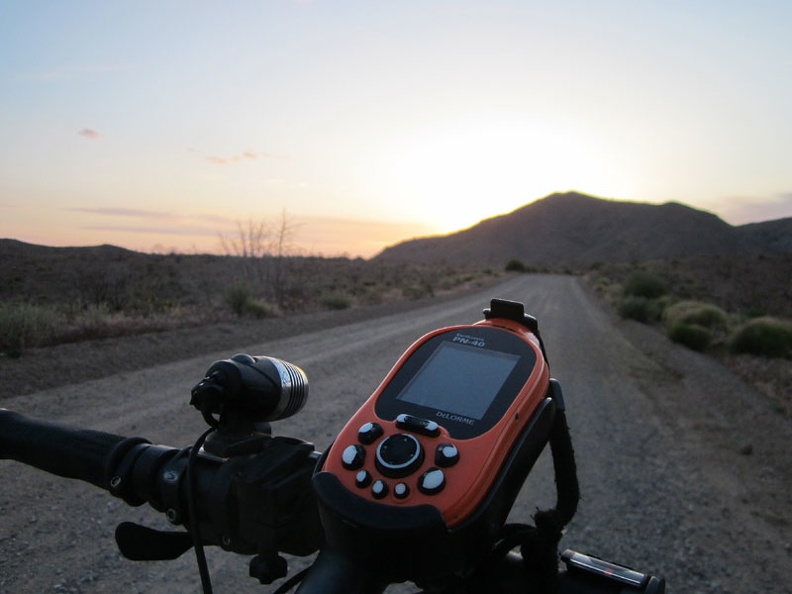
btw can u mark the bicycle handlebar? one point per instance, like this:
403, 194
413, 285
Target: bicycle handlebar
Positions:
255, 504
259, 504
81, 454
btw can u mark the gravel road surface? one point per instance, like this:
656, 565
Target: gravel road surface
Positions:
684, 470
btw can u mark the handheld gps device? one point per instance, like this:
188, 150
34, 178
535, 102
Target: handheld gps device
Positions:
422, 477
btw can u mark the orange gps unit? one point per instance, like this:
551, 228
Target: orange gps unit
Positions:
430, 464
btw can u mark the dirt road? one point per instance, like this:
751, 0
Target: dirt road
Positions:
684, 470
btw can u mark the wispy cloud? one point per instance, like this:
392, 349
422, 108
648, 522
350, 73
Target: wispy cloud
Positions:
122, 212
187, 223
247, 155
89, 133
181, 230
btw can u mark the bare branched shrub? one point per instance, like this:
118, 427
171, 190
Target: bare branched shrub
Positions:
267, 250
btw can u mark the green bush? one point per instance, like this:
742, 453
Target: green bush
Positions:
336, 302
238, 297
695, 312
23, 326
515, 265
767, 337
645, 284
640, 309
692, 336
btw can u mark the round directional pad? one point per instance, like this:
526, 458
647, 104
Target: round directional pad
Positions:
399, 455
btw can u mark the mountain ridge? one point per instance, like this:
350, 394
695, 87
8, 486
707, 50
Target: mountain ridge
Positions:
574, 229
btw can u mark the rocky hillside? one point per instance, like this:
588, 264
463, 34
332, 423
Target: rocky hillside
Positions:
577, 230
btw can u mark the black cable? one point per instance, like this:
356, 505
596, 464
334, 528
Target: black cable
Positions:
192, 511
292, 581
539, 543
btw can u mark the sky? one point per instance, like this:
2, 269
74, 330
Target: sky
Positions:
165, 125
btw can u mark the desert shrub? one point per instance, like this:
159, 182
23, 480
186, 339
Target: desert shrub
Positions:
640, 309
238, 296
23, 326
336, 302
260, 309
372, 297
92, 320
418, 290
645, 284
767, 337
692, 336
697, 313
515, 265
598, 282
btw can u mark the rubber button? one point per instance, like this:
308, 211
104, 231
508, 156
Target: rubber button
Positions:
369, 433
418, 425
353, 457
401, 490
363, 479
446, 455
379, 489
432, 481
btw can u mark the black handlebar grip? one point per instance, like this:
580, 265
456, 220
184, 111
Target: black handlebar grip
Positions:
66, 451
333, 573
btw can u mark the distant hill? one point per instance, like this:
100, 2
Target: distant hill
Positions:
771, 236
574, 229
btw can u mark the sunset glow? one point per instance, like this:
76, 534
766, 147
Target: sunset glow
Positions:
162, 127
463, 171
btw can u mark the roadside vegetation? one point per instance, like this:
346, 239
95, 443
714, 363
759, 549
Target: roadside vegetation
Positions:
63, 296
744, 320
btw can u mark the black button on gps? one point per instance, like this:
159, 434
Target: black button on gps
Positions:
369, 432
363, 479
399, 455
379, 489
446, 455
401, 491
418, 425
353, 457
432, 481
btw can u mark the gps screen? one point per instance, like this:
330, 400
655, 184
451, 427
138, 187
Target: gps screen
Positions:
460, 379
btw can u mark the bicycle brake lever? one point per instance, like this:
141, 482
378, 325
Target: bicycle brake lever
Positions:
140, 543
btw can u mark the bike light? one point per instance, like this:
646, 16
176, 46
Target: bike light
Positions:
262, 388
